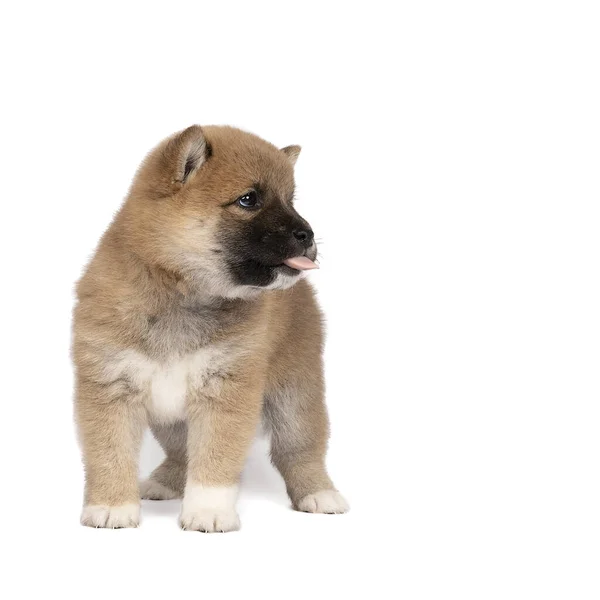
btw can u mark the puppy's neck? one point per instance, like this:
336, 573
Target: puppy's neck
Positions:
166, 286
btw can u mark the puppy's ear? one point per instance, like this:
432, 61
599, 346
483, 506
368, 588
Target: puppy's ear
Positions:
185, 154
292, 152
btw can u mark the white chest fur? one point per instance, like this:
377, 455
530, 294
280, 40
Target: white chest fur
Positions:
165, 385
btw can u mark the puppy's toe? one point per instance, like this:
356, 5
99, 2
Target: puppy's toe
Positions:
210, 520
324, 501
209, 509
111, 517
152, 490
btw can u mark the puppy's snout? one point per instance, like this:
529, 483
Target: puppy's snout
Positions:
304, 235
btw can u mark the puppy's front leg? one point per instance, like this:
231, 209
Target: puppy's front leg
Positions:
220, 429
110, 429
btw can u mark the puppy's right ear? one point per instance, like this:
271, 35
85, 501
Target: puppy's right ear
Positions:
183, 155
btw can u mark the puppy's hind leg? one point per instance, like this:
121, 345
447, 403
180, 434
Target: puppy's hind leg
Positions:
296, 417
167, 481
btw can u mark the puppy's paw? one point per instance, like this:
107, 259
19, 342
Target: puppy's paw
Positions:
152, 490
325, 501
111, 517
210, 520
209, 509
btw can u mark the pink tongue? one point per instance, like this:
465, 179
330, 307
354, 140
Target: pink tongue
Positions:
301, 263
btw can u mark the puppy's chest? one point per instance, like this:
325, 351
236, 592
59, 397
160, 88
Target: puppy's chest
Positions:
165, 385
180, 329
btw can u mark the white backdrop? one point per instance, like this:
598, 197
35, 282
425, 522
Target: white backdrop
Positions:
450, 166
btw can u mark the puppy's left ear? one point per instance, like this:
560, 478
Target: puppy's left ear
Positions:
292, 152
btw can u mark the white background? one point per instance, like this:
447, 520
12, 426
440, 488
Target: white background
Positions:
450, 166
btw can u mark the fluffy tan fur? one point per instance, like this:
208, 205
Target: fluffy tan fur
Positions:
164, 338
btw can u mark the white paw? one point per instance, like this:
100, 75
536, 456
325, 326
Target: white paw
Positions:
152, 490
324, 501
111, 517
209, 509
210, 520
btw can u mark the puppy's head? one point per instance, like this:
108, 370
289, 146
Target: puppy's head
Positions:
216, 204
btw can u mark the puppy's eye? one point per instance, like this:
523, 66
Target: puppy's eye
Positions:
249, 200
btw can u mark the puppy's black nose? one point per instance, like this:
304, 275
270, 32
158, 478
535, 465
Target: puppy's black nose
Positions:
305, 236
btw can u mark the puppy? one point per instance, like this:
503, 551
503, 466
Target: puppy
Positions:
185, 322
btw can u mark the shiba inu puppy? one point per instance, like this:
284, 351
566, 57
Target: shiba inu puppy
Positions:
186, 322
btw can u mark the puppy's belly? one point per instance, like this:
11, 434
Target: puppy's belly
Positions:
168, 390
165, 385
